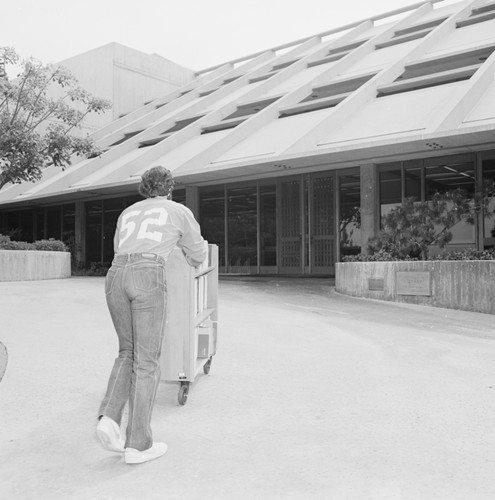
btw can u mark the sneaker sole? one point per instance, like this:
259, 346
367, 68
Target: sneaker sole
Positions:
107, 443
140, 459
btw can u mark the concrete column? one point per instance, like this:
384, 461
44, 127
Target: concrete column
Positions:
192, 200
80, 237
370, 204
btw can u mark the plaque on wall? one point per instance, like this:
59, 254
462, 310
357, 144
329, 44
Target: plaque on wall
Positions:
376, 284
413, 283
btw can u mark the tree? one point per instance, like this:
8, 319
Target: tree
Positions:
350, 219
411, 228
35, 126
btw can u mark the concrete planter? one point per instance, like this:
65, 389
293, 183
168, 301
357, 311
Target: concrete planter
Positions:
27, 265
467, 285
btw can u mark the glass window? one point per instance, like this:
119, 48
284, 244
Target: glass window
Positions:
442, 176
40, 224
54, 222
130, 200
179, 196
433, 175
489, 222
3, 222
390, 181
12, 225
446, 174
26, 225
268, 222
94, 223
69, 225
242, 232
349, 214
212, 219
412, 178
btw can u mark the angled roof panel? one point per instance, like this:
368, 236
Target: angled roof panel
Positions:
175, 113
374, 30
442, 10
63, 183
438, 12
113, 166
233, 96
484, 111
394, 115
13, 190
54, 178
378, 59
464, 38
274, 137
172, 160
298, 79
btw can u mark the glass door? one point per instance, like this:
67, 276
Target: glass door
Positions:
291, 226
242, 230
321, 224
307, 224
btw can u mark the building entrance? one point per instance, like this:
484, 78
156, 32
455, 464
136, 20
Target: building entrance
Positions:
307, 224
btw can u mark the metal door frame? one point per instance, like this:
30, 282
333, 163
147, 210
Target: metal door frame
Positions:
300, 269
310, 208
306, 213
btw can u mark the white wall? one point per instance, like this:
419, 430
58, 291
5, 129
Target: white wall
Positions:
127, 77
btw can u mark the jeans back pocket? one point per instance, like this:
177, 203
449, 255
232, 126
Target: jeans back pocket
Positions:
147, 277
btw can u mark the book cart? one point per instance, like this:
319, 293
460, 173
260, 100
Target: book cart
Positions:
190, 339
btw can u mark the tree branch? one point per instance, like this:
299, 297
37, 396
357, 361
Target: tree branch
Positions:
18, 104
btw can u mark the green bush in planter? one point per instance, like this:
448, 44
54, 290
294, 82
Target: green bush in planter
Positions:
382, 256
7, 244
409, 230
469, 254
50, 245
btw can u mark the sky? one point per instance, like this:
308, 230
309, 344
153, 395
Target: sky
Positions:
193, 33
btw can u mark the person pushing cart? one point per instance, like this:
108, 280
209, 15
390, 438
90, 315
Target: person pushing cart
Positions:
136, 293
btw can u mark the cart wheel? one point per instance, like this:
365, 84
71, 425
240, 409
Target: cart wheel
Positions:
206, 367
183, 392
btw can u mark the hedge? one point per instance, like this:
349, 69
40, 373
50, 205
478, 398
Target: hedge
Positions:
382, 256
50, 245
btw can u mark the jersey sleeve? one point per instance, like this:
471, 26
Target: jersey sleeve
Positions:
192, 243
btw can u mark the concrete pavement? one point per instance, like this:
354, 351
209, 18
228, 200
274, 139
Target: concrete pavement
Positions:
312, 395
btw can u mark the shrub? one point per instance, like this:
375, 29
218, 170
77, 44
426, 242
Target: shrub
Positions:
410, 229
50, 245
7, 244
379, 256
469, 254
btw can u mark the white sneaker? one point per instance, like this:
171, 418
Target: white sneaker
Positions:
108, 432
133, 456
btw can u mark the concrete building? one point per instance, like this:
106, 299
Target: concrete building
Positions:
127, 77
289, 157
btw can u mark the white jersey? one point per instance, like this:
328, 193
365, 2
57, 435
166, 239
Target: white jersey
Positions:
157, 225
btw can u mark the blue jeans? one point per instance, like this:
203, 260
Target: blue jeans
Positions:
136, 293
